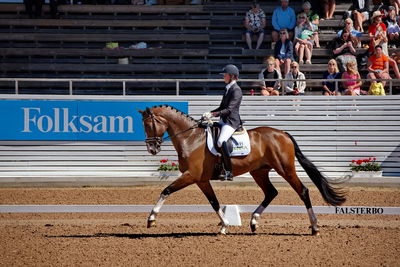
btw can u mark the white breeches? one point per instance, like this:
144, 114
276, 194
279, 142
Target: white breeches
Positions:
226, 133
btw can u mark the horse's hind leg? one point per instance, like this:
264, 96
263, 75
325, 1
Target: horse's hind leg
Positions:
291, 177
178, 184
262, 179
208, 191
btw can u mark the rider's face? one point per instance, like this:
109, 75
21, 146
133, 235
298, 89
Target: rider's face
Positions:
227, 78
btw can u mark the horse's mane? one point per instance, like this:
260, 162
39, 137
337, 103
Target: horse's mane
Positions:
165, 106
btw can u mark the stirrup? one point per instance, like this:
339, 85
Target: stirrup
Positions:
226, 177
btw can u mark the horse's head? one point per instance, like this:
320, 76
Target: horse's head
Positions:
154, 126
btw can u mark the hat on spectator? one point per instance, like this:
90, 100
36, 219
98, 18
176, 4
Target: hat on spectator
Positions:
391, 8
376, 14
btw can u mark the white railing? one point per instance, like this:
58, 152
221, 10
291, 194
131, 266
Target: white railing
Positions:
177, 82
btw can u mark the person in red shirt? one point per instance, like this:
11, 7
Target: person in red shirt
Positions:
378, 66
378, 36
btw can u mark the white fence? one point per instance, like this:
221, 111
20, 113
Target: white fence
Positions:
331, 131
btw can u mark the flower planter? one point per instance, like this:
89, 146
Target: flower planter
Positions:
367, 174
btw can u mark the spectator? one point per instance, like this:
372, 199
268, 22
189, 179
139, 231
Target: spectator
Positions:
352, 87
269, 88
378, 65
283, 52
329, 8
294, 87
359, 12
393, 29
344, 49
283, 17
378, 36
314, 26
329, 87
348, 25
303, 42
307, 10
254, 23
38, 8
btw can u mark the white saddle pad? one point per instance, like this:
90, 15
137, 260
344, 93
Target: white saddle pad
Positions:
240, 143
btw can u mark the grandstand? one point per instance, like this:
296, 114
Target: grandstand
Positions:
184, 42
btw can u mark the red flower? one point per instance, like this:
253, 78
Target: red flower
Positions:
353, 161
173, 164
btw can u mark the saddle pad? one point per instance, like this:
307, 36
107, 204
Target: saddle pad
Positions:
240, 144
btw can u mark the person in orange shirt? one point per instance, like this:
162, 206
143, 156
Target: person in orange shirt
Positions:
378, 66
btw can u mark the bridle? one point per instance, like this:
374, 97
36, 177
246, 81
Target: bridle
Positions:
159, 140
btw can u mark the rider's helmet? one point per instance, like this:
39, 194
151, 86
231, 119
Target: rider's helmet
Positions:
230, 69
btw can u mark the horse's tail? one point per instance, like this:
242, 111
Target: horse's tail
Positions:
333, 196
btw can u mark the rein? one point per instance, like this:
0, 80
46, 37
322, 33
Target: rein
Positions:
160, 140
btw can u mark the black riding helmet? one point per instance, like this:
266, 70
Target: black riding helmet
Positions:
230, 69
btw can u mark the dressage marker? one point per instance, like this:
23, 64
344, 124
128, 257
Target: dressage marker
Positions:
232, 212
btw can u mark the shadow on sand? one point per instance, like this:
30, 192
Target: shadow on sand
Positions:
171, 235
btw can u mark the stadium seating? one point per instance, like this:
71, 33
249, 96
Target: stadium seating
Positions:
184, 41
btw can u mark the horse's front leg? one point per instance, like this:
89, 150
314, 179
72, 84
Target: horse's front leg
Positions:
208, 191
184, 180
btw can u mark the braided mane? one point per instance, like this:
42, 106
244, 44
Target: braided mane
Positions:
165, 106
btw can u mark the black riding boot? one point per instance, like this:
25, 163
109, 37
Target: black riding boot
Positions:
226, 159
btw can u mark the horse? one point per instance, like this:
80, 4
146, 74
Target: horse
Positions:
270, 149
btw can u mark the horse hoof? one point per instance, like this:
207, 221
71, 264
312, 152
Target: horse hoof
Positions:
315, 233
151, 224
253, 227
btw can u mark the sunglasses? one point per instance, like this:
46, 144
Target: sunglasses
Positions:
294, 67
331, 64
282, 33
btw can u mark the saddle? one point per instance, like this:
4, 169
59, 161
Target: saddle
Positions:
238, 144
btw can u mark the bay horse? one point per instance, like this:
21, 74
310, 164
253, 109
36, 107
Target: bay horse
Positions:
270, 149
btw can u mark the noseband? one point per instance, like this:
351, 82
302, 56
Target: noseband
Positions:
154, 138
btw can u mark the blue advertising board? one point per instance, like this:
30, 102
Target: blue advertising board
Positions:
75, 120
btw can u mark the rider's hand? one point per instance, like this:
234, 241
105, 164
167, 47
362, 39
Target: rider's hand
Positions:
207, 115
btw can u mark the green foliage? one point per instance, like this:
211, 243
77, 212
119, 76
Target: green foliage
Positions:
167, 165
369, 164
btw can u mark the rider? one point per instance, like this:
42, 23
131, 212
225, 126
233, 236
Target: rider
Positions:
228, 111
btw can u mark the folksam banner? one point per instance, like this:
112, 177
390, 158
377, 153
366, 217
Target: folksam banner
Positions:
75, 120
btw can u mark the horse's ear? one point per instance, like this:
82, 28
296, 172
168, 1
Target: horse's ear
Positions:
148, 110
140, 111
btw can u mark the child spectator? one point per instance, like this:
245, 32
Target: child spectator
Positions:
303, 42
344, 49
283, 52
283, 17
254, 23
329, 87
294, 87
352, 87
378, 65
269, 88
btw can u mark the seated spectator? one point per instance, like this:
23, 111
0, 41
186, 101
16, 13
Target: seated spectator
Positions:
378, 65
294, 87
393, 29
270, 72
344, 49
314, 22
283, 17
348, 25
378, 36
303, 40
329, 88
359, 12
254, 23
352, 87
329, 8
307, 10
283, 52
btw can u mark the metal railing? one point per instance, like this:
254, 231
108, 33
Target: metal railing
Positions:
177, 82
